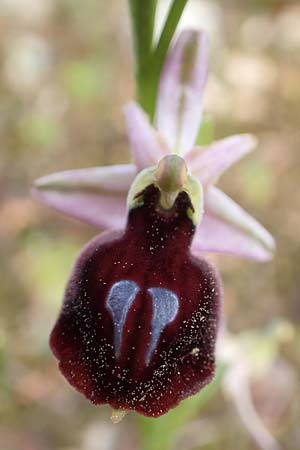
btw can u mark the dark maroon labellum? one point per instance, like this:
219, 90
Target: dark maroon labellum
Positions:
139, 321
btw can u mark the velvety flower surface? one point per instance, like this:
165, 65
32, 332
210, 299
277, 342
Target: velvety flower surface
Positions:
140, 317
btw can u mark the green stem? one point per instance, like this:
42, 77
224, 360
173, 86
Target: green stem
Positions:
174, 15
142, 19
160, 52
149, 61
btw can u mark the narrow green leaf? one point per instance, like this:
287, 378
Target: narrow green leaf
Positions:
149, 61
174, 15
160, 52
142, 19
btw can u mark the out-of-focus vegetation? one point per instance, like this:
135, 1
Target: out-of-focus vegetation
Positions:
65, 74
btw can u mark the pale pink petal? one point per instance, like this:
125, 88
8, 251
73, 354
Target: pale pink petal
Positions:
209, 163
181, 89
227, 228
100, 211
95, 195
147, 146
215, 236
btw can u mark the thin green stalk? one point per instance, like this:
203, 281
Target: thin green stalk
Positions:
174, 15
142, 19
148, 60
160, 52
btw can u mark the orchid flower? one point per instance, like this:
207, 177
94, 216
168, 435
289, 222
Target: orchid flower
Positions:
98, 195
141, 311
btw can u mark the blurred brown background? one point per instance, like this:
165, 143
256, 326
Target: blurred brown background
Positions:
66, 72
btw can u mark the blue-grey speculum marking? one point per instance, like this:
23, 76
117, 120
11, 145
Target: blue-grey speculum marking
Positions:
119, 301
165, 306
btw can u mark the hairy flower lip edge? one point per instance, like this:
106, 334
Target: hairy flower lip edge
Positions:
85, 254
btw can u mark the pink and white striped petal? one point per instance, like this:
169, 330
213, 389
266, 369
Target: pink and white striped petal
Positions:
147, 146
209, 163
181, 90
95, 195
227, 228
